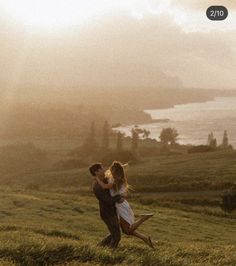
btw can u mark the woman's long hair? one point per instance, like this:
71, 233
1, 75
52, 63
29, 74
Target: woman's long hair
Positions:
117, 172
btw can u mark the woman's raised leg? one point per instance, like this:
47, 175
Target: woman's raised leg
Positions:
136, 224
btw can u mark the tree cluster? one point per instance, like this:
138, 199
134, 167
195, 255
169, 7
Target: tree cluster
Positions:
212, 142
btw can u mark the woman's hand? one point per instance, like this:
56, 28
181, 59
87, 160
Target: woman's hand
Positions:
124, 195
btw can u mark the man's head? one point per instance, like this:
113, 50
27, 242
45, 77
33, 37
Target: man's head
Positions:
96, 169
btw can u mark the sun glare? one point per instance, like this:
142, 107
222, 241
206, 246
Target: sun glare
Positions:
52, 13
49, 14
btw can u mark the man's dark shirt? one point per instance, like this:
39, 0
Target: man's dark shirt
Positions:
106, 201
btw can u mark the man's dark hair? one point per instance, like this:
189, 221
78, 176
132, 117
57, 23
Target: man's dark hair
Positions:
94, 168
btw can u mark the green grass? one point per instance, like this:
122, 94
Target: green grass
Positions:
186, 172
46, 228
208, 168
50, 217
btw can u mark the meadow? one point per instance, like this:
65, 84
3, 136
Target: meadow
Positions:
161, 173
50, 216
51, 228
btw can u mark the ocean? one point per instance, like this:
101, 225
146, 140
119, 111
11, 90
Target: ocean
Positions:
194, 121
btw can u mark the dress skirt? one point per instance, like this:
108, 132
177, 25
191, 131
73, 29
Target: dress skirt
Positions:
124, 210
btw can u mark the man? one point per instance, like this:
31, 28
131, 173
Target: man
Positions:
107, 207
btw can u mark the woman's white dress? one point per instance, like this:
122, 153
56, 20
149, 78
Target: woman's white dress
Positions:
123, 209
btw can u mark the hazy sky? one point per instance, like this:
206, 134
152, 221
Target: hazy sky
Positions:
65, 43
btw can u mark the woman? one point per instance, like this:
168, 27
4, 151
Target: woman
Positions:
117, 184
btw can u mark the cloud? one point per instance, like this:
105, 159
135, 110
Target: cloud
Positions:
119, 51
203, 4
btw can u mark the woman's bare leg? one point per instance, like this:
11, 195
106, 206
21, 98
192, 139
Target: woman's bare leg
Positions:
145, 238
126, 228
136, 224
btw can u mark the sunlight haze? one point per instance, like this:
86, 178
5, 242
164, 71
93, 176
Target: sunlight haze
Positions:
115, 43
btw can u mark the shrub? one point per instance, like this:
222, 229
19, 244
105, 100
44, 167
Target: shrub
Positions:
201, 148
229, 200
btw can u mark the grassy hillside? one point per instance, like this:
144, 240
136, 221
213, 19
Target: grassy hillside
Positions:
184, 172
41, 228
50, 217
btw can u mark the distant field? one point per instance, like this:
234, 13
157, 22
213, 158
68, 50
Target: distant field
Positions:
42, 228
184, 172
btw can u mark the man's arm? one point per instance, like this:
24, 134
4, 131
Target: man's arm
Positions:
106, 197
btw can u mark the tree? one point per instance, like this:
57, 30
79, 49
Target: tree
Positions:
211, 141
214, 143
105, 136
136, 131
119, 144
146, 133
168, 136
134, 143
142, 131
225, 142
90, 144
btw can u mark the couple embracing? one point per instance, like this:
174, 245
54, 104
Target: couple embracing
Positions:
110, 188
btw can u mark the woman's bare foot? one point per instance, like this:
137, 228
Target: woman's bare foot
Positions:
143, 214
150, 243
148, 215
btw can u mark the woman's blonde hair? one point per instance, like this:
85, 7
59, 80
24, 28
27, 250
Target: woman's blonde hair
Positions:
117, 172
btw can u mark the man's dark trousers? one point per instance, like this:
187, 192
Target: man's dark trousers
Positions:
112, 240
108, 215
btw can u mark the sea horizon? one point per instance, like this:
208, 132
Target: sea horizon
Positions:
194, 121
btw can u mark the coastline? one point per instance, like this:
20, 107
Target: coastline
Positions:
194, 121
150, 120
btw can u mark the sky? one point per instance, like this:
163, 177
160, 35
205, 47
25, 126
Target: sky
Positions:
73, 43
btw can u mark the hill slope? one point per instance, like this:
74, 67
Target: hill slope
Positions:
40, 228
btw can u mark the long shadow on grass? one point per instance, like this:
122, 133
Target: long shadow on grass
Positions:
41, 256
56, 233
6, 228
53, 233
